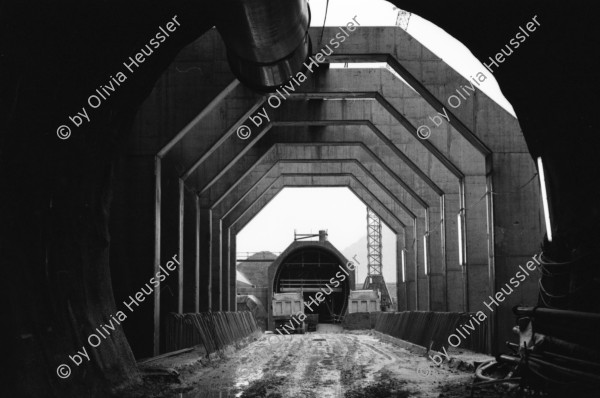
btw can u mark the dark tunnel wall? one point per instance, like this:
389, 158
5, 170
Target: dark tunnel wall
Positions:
55, 224
203, 79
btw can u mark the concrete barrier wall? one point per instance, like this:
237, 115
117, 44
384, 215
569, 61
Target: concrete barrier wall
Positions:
360, 320
432, 329
213, 330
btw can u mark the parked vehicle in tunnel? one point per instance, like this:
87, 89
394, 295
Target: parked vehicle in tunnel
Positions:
286, 309
364, 301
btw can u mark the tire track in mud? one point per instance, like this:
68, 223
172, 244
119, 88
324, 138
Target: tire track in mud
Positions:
366, 365
272, 365
290, 369
310, 379
294, 367
323, 365
311, 365
351, 372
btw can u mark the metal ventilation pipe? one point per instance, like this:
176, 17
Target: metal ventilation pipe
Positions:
267, 40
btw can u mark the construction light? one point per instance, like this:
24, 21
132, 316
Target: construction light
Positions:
425, 249
545, 198
403, 265
459, 223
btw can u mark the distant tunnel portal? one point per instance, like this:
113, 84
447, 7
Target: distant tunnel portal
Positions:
313, 270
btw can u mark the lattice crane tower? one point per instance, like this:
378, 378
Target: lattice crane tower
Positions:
375, 279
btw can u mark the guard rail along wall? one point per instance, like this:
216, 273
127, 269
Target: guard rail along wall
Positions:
213, 330
432, 329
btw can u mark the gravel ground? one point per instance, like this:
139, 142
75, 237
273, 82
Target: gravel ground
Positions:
325, 364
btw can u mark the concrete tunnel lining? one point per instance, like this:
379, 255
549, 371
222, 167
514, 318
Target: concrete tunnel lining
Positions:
433, 226
238, 181
391, 203
384, 103
329, 180
410, 234
364, 132
431, 198
393, 49
219, 213
379, 84
435, 240
467, 219
482, 218
381, 130
330, 117
325, 150
358, 190
379, 175
433, 229
232, 218
241, 220
224, 208
362, 56
404, 235
217, 227
336, 180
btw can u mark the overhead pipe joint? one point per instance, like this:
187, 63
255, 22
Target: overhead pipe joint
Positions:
267, 40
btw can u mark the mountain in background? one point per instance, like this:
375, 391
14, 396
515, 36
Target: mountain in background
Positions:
359, 250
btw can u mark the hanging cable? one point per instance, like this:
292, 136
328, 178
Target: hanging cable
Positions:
507, 192
324, 21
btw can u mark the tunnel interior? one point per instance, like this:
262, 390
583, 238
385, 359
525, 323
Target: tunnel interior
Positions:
313, 270
164, 169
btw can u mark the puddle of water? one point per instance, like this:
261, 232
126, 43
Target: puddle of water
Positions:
210, 391
244, 377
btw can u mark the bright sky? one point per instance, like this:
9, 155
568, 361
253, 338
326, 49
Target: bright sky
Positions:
308, 210
382, 13
337, 209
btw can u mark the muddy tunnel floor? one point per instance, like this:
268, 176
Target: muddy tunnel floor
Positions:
348, 365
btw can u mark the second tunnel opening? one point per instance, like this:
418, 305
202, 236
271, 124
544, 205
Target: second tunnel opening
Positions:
312, 270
